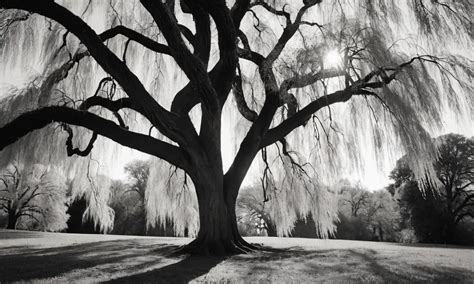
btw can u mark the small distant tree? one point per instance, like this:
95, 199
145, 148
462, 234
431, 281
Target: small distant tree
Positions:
138, 172
34, 199
437, 213
382, 214
128, 199
365, 215
128, 207
351, 207
355, 198
251, 211
455, 168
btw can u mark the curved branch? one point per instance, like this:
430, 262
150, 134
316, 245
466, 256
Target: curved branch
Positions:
301, 117
135, 36
247, 53
113, 106
39, 118
76, 151
239, 97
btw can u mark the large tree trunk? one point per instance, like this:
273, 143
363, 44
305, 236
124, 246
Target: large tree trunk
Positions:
218, 232
12, 221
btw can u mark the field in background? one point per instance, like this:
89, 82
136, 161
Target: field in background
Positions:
57, 257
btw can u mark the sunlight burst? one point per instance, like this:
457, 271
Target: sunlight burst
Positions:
333, 59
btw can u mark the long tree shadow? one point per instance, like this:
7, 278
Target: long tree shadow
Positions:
369, 257
359, 265
180, 272
34, 264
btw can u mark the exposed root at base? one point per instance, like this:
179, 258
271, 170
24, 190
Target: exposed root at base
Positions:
217, 248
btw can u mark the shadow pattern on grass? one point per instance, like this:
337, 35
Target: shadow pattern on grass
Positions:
30, 264
139, 261
182, 271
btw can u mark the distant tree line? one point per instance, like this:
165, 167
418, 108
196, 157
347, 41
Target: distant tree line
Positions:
444, 211
441, 212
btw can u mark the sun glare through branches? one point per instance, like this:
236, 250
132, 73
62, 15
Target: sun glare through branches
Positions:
333, 59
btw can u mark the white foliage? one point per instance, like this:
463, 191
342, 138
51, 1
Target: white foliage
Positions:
169, 200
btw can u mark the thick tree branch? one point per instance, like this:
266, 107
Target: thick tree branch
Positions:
247, 53
227, 39
202, 39
191, 65
112, 105
239, 97
39, 118
135, 36
250, 146
238, 11
301, 81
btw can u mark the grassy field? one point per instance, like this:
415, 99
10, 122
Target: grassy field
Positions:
54, 257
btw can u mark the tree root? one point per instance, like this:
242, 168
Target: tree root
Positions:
221, 247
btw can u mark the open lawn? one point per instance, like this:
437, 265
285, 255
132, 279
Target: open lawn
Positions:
55, 257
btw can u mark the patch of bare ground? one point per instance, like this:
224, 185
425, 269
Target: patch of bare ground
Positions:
54, 257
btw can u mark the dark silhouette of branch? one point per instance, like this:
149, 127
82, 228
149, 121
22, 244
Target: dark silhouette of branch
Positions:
239, 97
39, 118
272, 10
135, 36
191, 65
76, 151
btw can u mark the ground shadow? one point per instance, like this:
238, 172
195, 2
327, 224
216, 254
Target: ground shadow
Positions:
359, 265
28, 264
436, 246
143, 260
180, 272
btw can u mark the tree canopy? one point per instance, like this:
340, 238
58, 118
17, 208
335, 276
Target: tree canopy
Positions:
157, 76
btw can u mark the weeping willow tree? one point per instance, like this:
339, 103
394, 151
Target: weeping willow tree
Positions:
271, 75
33, 199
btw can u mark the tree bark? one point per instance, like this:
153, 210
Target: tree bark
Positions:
12, 221
218, 231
